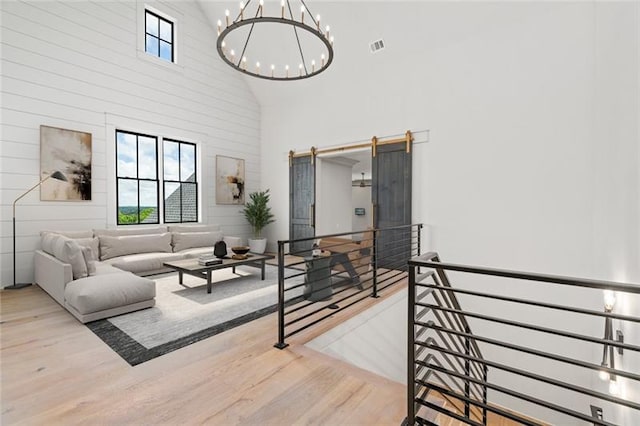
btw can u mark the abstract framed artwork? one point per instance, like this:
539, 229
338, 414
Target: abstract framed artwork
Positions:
67, 152
229, 180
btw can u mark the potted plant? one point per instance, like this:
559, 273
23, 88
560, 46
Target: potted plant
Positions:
258, 214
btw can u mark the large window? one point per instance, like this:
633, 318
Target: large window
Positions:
138, 157
180, 186
159, 39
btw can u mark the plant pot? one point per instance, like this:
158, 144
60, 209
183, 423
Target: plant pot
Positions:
257, 246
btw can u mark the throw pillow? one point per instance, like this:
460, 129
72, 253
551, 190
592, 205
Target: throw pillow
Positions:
185, 240
92, 243
87, 252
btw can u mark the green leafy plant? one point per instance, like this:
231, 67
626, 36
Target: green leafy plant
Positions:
257, 212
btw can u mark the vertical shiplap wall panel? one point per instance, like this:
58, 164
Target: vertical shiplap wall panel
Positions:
77, 65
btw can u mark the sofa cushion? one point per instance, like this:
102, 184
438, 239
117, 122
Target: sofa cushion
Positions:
66, 250
130, 231
101, 292
194, 228
70, 234
143, 262
103, 268
111, 246
185, 240
190, 253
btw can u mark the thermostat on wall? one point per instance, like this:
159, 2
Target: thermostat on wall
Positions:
359, 211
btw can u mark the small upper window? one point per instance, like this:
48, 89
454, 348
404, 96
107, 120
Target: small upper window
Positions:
159, 36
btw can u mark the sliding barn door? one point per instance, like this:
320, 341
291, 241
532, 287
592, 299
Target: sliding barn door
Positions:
391, 197
302, 199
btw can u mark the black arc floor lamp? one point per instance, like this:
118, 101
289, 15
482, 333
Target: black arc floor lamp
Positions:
55, 175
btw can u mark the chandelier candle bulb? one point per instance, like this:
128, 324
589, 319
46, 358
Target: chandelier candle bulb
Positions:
244, 62
258, 67
331, 40
302, 14
219, 26
286, 68
261, 7
318, 22
327, 29
322, 59
282, 8
313, 65
273, 67
226, 16
300, 68
241, 10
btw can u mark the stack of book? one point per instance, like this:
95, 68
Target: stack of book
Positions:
208, 260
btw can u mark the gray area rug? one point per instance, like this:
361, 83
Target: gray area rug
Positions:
185, 314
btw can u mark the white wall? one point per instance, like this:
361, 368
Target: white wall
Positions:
361, 197
333, 196
616, 175
78, 65
532, 157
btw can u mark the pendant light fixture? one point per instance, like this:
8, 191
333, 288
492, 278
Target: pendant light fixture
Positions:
268, 24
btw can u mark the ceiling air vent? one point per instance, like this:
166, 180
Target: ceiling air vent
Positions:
376, 46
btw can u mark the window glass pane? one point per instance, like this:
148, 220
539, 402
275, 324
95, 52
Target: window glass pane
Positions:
171, 202
171, 161
188, 162
165, 31
126, 151
127, 201
147, 158
165, 51
148, 202
189, 204
152, 24
152, 45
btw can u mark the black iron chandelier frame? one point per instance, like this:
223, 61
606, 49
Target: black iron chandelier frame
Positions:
289, 75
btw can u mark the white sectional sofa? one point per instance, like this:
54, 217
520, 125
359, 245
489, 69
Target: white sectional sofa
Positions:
100, 273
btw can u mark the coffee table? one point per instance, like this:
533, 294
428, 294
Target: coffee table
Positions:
192, 267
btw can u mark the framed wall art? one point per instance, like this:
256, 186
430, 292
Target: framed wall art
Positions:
229, 180
67, 152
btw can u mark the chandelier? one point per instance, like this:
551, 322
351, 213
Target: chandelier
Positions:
297, 44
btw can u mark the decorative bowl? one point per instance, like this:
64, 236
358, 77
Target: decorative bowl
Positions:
240, 250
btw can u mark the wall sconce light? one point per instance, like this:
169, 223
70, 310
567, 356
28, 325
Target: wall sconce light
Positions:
608, 359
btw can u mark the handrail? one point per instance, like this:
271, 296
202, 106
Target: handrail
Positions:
377, 265
420, 343
555, 279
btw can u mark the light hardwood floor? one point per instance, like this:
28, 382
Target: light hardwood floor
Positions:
55, 371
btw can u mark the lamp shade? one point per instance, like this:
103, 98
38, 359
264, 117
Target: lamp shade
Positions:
58, 175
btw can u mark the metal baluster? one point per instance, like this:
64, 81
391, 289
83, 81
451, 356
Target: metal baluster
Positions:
467, 373
281, 343
411, 366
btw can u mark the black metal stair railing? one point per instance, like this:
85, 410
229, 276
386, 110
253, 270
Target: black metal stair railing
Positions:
444, 353
311, 290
